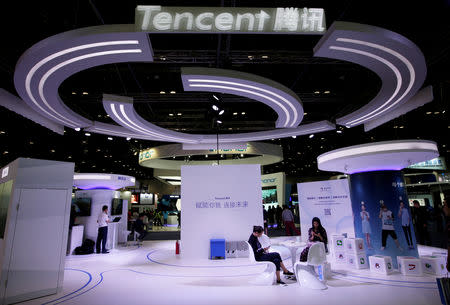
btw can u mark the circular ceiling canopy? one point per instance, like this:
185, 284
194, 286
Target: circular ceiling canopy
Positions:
387, 155
90, 181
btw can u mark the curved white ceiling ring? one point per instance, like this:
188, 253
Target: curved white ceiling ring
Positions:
121, 110
118, 131
387, 155
280, 98
367, 45
43, 67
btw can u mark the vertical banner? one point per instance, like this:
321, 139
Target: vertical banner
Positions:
330, 202
218, 202
380, 219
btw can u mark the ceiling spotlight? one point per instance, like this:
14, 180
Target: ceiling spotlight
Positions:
85, 93
339, 131
250, 57
316, 92
215, 96
206, 156
402, 127
437, 112
87, 134
162, 58
162, 92
128, 138
327, 92
429, 112
294, 137
264, 56
215, 107
311, 136
243, 113
305, 113
242, 155
443, 111
109, 138
74, 93
221, 112
77, 129
173, 92
235, 113
219, 122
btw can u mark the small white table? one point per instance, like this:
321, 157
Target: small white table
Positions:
293, 246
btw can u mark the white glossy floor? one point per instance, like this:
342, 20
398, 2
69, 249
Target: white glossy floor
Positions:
153, 274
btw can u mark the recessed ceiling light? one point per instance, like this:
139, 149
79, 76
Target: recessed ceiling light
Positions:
87, 134
264, 56
428, 112
162, 92
294, 137
179, 113
243, 113
327, 92
215, 107
311, 136
173, 92
206, 156
85, 93
235, 113
250, 57
74, 93
221, 112
219, 122
109, 138
170, 114
215, 96
402, 127
436, 112
5, 152
339, 131
77, 129
316, 92
395, 126
128, 138
242, 155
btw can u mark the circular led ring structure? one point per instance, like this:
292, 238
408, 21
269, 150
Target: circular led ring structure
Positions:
89, 181
386, 155
155, 157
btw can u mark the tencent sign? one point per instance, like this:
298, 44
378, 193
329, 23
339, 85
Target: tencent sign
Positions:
155, 19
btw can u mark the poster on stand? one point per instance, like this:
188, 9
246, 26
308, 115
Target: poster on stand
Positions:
329, 201
219, 202
382, 214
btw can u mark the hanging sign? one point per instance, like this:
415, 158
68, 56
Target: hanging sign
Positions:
156, 19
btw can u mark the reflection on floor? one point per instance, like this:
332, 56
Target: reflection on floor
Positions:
153, 274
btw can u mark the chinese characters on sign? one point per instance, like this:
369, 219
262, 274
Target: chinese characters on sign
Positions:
220, 205
328, 197
155, 18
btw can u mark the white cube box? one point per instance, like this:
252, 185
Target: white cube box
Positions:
340, 257
409, 265
354, 245
381, 264
434, 264
358, 261
337, 242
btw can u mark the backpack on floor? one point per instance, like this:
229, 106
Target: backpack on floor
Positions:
86, 248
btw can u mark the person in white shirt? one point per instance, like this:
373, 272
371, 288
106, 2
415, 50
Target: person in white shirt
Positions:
102, 221
387, 227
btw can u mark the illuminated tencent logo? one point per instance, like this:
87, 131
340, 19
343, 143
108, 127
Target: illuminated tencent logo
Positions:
155, 18
146, 154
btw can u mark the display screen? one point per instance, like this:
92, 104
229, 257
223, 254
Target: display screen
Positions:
134, 198
269, 194
116, 206
82, 206
146, 198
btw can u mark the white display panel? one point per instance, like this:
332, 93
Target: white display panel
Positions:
330, 201
218, 202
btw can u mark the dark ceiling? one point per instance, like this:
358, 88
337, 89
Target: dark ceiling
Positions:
327, 88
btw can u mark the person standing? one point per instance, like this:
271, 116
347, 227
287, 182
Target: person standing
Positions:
278, 213
403, 214
365, 217
387, 227
102, 221
420, 222
288, 220
266, 221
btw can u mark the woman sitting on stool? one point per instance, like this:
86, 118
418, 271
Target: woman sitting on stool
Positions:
262, 254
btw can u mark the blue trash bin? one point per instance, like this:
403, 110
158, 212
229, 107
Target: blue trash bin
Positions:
217, 249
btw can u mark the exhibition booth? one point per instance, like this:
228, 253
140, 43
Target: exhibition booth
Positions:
350, 244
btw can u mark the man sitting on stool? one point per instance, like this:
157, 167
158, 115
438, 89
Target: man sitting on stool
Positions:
139, 226
262, 254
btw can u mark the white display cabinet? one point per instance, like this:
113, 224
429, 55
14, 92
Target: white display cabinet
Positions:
35, 200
